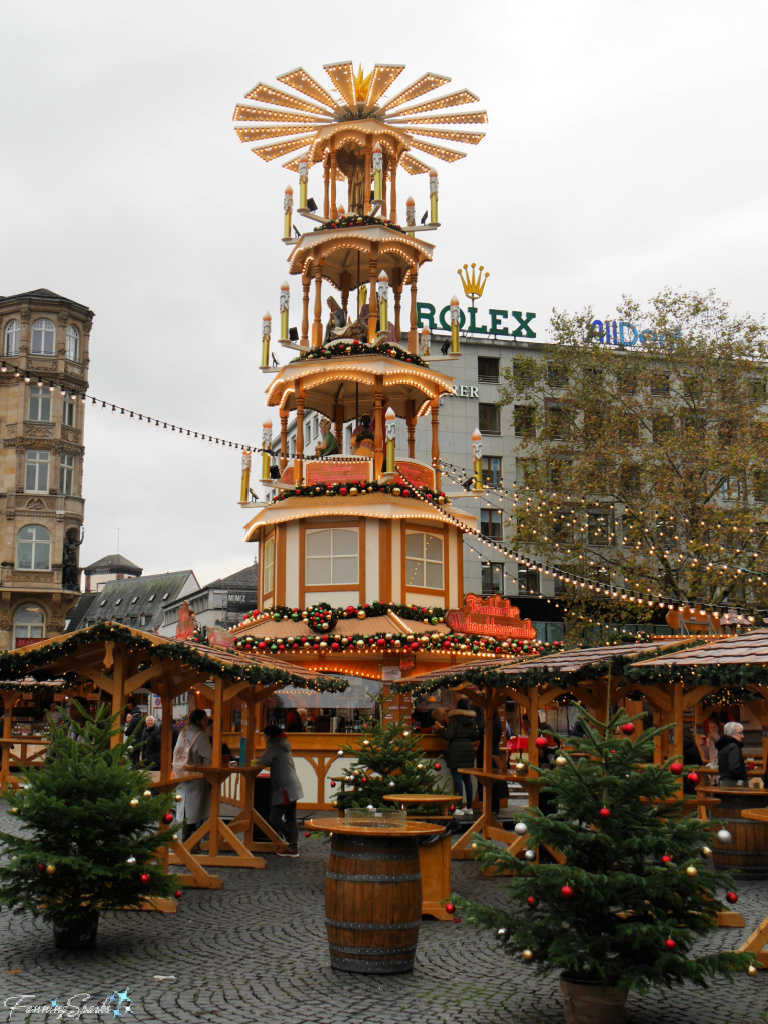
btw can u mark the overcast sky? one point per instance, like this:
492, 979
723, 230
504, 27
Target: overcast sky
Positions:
625, 151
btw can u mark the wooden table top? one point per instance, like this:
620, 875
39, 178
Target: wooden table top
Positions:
421, 798
745, 791
755, 813
42, 740
165, 782
228, 769
339, 827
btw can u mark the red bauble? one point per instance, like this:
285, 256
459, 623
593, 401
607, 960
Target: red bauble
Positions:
449, 907
628, 728
666, 859
731, 897
566, 892
333, 785
670, 943
541, 742
604, 812
676, 768
145, 879
452, 808
168, 818
41, 867
342, 491
177, 894
437, 766
532, 901
307, 835
693, 778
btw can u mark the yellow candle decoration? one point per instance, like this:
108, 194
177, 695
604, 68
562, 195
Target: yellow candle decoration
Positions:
285, 301
378, 165
245, 475
303, 179
266, 454
454, 316
389, 440
477, 456
433, 194
426, 341
381, 291
288, 209
410, 213
266, 337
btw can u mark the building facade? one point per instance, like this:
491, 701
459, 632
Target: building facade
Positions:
43, 380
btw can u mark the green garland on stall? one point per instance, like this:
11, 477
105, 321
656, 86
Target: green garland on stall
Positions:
354, 347
358, 220
317, 616
352, 489
18, 664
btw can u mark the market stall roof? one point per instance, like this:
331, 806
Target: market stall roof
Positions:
266, 627
566, 666
80, 657
746, 649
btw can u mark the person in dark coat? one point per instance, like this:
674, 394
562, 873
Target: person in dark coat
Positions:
150, 744
286, 788
462, 733
730, 756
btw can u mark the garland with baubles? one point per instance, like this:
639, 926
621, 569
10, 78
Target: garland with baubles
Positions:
18, 664
355, 347
381, 643
347, 489
358, 220
322, 618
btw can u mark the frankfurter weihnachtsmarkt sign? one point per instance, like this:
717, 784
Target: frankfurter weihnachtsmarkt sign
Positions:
490, 616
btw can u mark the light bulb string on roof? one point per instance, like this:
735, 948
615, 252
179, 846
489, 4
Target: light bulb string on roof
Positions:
602, 589
623, 591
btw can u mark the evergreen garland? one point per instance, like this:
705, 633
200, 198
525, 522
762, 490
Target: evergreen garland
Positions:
355, 347
357, 220
397, 490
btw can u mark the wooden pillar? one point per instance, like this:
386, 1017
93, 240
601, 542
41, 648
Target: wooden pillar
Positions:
306, 281
283, 439
218, 686
372, 300
345, 282
10, 697
317, 326
410, 419
114, 659
338, 425
333, 181
434, 406
413, 333
384, 171
397, 292
378, 441
298, 473
393, 190
326, 182
166, 729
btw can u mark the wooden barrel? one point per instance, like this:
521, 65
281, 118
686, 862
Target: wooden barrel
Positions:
373, 903
747, 853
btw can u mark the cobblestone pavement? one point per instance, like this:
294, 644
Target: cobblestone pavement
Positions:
255, 952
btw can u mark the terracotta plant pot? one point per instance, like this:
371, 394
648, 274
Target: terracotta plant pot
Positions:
81, 935
586, 1002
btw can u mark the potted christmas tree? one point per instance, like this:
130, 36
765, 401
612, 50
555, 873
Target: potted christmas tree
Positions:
89, 833
636, 890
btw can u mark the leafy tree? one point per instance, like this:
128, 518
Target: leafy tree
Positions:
636, 890
389, 760
89, 828
644, 464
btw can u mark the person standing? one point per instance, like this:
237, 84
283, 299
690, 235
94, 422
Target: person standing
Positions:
286, 788
150, 745
730, 755
462, 733
192, 748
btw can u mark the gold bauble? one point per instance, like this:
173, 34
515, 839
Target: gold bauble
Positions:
691, 871
177, 797
752, 971
353, 490
13, 810
361, 614
134, 801
387, 636
706, 852
527, 955
50, 869
147, 793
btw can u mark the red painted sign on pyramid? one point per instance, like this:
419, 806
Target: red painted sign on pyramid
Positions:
490, 616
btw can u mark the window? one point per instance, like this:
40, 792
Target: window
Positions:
36, 472
760, 485
599, 529
524, 372
757, 388
331, 557
28, 625
558, 473
629, 481
557, 375
661, 426
33, 548
423, 561
492, 470
525, 421
528, 580
68, 413
268, 565
66, 474
490, 523
12, 335
43, 335
558, 422
493, 578
525, 472
660, 384
72, 343
731, 488
487, 370
490, 418
307, 433
40, 404
629, 430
